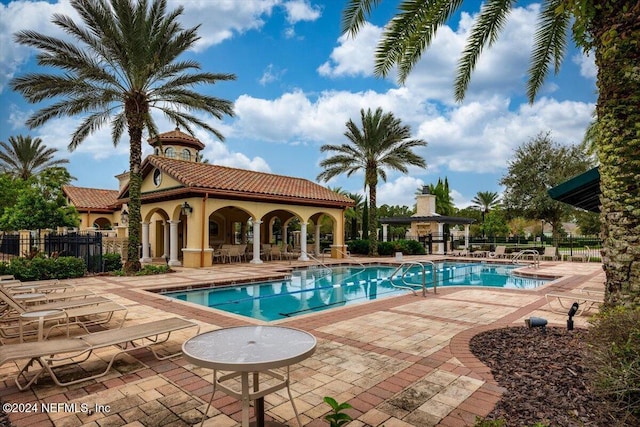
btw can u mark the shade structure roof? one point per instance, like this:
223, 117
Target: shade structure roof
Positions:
92, 199
582, 191
431, 218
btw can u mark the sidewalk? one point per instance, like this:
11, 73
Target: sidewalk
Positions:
401, 361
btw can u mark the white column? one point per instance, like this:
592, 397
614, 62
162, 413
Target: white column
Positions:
466, 237
303, 242
385, 232
173, 239
442, 243
256, 242
317, 243
145, 243
284, 235
165, 255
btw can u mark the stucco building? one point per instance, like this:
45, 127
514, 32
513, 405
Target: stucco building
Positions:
190, 207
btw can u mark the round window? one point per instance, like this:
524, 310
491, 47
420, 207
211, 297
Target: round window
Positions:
157, 177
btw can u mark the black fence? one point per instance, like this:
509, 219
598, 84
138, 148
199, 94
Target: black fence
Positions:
87, 246
568, 246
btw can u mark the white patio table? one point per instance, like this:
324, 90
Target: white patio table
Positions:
250, 349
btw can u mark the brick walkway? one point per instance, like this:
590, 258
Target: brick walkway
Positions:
401, 361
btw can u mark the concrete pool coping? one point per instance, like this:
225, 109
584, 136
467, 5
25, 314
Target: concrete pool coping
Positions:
372, 355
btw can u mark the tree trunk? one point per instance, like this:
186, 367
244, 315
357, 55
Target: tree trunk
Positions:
135, 110
616, 31
373, 221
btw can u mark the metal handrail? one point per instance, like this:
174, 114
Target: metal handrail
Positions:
424, 275
535, 253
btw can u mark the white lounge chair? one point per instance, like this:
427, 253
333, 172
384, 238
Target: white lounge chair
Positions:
47, 357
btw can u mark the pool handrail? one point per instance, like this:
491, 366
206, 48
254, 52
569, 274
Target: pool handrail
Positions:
424, 275
535, 253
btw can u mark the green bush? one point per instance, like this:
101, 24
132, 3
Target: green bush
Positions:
40, 268
149, 270
613, 346
386, 248
112, 262
360, 247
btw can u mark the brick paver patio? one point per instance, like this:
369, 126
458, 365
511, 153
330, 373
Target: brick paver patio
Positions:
400, 361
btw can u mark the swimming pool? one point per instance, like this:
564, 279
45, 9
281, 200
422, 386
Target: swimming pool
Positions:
313, 290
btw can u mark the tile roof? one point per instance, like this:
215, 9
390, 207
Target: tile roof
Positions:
176, 136
91, 198
241, 182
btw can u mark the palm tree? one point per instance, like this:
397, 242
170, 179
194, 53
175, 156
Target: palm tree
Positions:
485, 201
608, 28
123, 64
383, 143
24, 157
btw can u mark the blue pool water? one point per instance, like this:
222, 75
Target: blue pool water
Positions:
313, 290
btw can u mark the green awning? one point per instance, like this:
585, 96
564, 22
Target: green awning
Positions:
582, 191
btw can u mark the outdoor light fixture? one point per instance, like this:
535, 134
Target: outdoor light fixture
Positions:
186, 209
536, 322
572, 312
124, 217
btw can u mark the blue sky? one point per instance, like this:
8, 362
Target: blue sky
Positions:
299, 81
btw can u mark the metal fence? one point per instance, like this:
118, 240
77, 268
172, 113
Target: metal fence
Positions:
85, 245
569, 246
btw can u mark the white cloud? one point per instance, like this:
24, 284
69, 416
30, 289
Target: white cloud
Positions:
400, 191
301, 10
353, 56
587, 65
18, 16
271, 74
222, 19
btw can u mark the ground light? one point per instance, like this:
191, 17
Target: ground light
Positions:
536, 322
572, 311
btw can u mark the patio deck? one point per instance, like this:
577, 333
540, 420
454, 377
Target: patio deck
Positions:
400, 361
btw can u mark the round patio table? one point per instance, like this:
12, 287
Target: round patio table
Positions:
255, 350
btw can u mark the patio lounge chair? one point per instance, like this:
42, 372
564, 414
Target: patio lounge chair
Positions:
84, 312
550, 252
47, 357
500, 252
561, 302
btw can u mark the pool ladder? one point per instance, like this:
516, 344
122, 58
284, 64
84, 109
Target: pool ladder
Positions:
535, 253
424, 276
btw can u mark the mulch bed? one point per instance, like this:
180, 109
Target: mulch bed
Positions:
544, 376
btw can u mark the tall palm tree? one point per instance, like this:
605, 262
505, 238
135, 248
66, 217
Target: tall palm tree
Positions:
124, 64
485, 201
24, 157
608, 28
382, 143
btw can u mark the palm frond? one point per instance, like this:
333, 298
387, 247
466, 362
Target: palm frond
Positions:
550, 44
409, 33
355, 15
484, 32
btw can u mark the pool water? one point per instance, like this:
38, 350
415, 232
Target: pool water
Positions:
312, 290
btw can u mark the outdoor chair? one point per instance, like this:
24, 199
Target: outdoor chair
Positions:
236, 252
275, 252
550, 252
561, 302
222, 253
18, 320
500, 252
48, 357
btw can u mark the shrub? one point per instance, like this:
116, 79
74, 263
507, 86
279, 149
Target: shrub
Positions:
149, 270
40, 268
360, 247
613, 346
112, 262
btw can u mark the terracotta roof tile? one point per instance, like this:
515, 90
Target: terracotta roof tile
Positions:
91, 198
179, 137
222, 178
